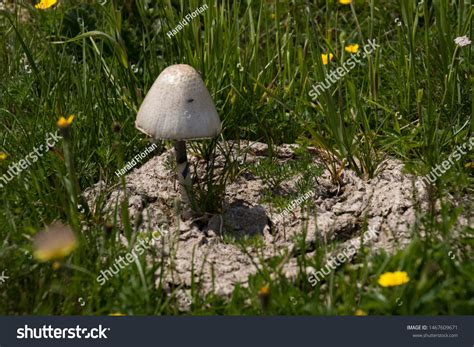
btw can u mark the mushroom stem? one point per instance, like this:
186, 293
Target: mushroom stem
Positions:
182, 168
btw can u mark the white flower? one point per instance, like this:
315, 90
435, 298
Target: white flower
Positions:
462, 41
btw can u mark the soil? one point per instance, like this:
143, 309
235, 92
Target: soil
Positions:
208, 249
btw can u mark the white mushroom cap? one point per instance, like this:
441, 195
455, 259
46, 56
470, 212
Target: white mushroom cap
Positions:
178, 107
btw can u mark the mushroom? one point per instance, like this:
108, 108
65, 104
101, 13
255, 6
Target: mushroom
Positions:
179, 107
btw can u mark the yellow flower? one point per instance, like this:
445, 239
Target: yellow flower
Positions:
56, 265
326, 58
352, 48
345, 2
264, 291
3, 156
117, 314
360, 312
391, 279
264, 296
44, 4
56, 242
65, 123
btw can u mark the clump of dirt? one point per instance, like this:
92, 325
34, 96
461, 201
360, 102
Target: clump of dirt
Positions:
386, 204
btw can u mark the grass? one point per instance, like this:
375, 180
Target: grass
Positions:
411, 99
